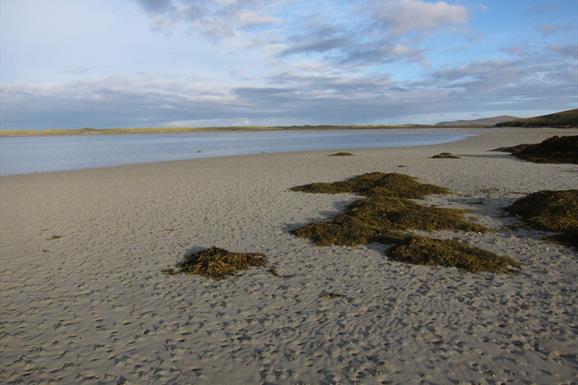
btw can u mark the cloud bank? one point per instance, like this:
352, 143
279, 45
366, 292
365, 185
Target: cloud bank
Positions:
299, 62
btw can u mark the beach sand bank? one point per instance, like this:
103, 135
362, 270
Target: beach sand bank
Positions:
83, 299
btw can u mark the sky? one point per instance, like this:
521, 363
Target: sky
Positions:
189, 63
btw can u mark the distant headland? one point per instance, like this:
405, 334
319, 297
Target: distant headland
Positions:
563, 119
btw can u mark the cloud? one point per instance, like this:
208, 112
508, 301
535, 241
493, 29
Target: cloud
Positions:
551, 29
340, 46
543, 7
383, 52
515, 50
316, 44
481, 7
250, 19
525, 82
300, 96
385, 31
548, 29
491, 74
376, 33
216, 19
411, 16
568, 50
155, 6
287, 61
398, 16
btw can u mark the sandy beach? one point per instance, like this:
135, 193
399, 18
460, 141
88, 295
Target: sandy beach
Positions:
83, 299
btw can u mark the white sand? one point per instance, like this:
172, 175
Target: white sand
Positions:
93, 307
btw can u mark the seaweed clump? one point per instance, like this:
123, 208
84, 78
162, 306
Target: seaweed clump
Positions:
386, 213
341, 154
557, 149
568, 238
445, 155
218, 263
331, 295
550, 211
449, 253
383, 219
374, 183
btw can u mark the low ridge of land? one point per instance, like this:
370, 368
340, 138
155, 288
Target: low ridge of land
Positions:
563, 119
484, 122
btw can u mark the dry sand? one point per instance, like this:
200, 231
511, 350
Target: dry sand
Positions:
92, 306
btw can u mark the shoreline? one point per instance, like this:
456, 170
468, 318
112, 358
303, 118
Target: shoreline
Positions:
534, 131
84, 299
154, 131
206, 155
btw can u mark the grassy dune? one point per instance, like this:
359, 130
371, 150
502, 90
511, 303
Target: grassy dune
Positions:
176, 130
563, 119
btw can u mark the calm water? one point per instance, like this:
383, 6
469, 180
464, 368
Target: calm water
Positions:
54, 153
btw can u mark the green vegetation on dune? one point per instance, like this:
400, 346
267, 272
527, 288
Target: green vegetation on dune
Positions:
557, 149
550, 211
123, 131
483, 122
560, 119
176, 130
563, 119
386, 214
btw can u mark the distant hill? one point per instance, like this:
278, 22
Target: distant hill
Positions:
479, 122
563, 119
